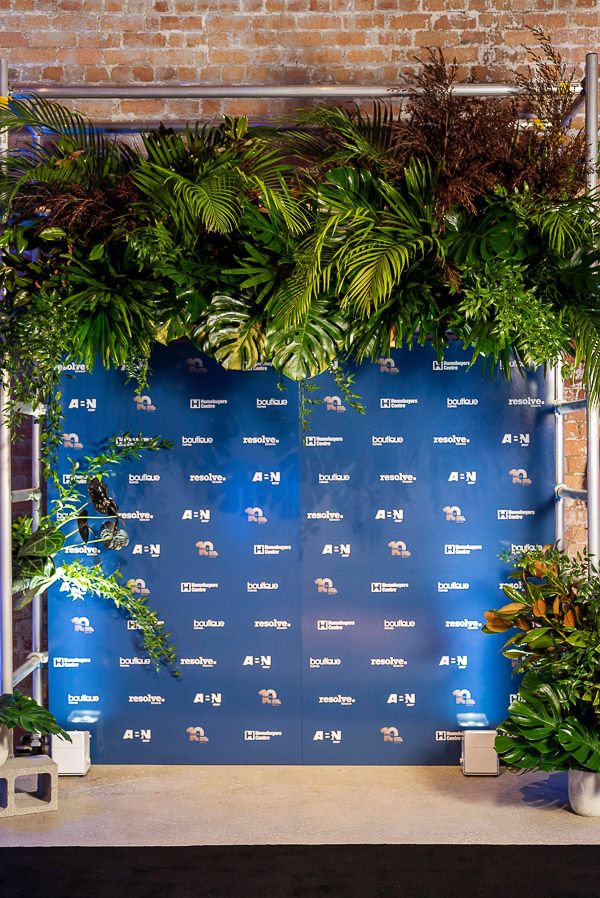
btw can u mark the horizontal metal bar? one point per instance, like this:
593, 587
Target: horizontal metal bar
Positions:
33, 662
195, 91
25, 495
562, 491
562, 408
24, 408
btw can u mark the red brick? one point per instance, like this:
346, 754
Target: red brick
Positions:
143, 73
437, 39
139, 39
142, 107
96, 73
324, 23
53, 73
13, 39
576, 447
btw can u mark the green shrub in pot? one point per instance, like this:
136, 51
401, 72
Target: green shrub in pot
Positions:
554, 607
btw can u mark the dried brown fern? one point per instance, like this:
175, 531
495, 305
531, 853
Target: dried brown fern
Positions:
92, 212
477, 144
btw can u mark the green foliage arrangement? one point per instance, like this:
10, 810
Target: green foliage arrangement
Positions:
334, 237
18, 710
84, 514
554, 722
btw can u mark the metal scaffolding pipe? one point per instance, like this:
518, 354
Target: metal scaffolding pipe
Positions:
565, 492
37, 682
194, 91
32, 665
37, 689
5, 544
593, 411
6, 601
563, 408
27, 495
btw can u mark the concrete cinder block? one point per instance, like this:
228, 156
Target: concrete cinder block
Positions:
28, 786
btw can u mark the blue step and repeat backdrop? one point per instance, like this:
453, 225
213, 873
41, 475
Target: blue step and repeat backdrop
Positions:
325, 599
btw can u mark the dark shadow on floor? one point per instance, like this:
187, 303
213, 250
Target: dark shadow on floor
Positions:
548, 793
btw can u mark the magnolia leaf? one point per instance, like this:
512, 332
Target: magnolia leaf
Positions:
511, 593
497, 626
569, 619
511, 608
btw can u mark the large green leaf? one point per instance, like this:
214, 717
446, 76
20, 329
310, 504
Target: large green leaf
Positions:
42, 543
35, 587
530, 738
581, 743
233, 331
17, 709
309, 347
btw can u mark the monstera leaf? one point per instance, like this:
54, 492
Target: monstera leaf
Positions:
530, 738
98, 493
581, 743
232, 331
308, 348
17, 709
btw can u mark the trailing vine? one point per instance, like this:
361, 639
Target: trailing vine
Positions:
84, 514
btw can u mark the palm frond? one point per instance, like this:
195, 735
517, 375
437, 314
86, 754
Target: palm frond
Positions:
211, 201
66, 132
350, 134
585, 328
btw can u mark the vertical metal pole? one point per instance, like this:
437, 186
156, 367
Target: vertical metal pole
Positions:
5, 545
593, 411
37, 604
5, 487
559, 460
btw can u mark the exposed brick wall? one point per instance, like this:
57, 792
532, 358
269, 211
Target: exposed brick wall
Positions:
276, 41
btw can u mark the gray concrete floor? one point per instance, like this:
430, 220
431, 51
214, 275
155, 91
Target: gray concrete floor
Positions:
128, 805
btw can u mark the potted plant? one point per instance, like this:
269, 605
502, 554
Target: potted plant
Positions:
554, 723
18, 710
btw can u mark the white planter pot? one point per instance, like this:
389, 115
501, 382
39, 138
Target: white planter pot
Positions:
584, 792
4, 744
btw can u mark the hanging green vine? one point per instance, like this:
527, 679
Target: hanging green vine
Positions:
84, 514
